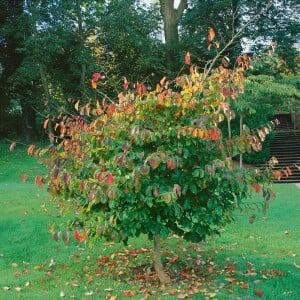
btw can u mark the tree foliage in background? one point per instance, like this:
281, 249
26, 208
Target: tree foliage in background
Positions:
42, 41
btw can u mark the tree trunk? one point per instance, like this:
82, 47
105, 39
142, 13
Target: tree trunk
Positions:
28, 122
241, 131
163, 277
171, 17
48, 98
81, 41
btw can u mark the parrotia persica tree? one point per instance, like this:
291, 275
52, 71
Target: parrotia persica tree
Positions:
154, 162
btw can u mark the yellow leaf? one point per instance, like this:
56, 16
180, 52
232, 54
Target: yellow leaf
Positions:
211, 34
76, 106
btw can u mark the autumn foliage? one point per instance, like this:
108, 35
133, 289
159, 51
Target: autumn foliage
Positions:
155, 162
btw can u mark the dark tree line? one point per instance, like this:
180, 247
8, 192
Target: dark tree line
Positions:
50, 49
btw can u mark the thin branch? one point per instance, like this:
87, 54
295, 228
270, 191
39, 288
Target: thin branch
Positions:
234, 37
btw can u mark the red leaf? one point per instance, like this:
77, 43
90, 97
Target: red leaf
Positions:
259, 293
257, 187
187, 58
214, 134
80, 237
239, 61
110, 179
111, 109
227, 91
96, 77
211, 34
170, 164
12, 146
126, 83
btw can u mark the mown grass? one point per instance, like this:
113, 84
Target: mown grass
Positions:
249, 261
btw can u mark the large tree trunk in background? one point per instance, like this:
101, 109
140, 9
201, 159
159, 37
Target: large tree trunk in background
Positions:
81, 41
163, 277
171, 17
29, 122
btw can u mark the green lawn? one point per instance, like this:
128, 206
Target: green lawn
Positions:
249, 261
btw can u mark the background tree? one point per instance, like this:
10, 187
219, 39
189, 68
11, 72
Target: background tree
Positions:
118, 39
10, 40
171, 16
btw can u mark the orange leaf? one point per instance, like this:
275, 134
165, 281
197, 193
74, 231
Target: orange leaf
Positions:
38, 181
211, 34
128, 293
30, 149
214, 134
46, 123
187, 58
12, 146
162, 81
94, 84
110, 179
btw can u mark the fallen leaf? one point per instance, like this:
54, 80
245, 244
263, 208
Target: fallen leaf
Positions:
128, 293
24, 177
52, 262
62, 294
91, 293
297, 266
258, 293
182, 295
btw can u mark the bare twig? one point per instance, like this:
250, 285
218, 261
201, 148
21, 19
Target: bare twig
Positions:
232, 40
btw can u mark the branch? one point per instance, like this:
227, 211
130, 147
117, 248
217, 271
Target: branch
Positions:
234, 37
179, 11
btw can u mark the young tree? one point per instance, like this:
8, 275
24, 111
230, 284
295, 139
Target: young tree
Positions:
155, 162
